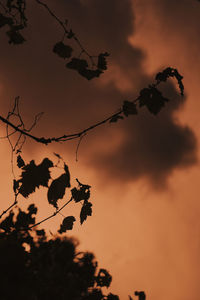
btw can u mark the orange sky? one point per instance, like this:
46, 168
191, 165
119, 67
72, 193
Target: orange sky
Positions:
145, 223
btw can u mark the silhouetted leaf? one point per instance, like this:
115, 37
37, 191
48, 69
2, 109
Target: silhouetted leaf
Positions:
81, 193
20, 162
171, 72
103, 278
102, 64
62, 50
77, 64
70, 34
67, 224
112, 297
90, 74
153, 99
7, 224
114, 119
81, 66
15, 37
32, 209
141, 295
34, 176
130, 298
15, 185
40, 232
129, 108
5, 20
58, 186
86, 211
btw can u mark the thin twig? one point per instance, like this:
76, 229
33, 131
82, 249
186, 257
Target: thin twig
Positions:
51, 216
78, 145
9, 208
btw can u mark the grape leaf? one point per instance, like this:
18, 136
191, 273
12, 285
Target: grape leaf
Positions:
129, 108
77, 64
102, 63
34, 176
153, 99
103, 278
81, 66
67, 224
171, 72
15, 37
62, 50
81, 193
90, 74
86, 211
58, 186
20, 162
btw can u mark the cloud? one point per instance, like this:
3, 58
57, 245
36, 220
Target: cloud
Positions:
148, 146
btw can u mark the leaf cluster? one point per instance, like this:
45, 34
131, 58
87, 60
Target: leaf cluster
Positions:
15, 19
13, 16
34, 176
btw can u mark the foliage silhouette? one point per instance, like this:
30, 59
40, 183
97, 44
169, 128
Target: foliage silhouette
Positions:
53, 269
13, 16
38, 268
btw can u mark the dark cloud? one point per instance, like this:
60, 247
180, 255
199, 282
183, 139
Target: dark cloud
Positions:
152, 146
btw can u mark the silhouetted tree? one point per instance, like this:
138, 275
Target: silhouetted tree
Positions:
35, 268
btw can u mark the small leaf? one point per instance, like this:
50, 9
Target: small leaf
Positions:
15, 185
90, 74
15, 37
115, 118
67, 224
141, 295
77, 64
40, 232
171, 72
153, 99
70, 34
32, 209
7, 224
86, 211
129, 108
103, 278
102, 63
20, 162
62, 50
81, 193
57, 188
